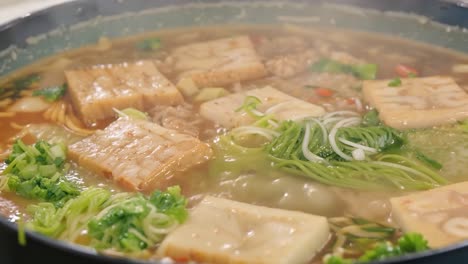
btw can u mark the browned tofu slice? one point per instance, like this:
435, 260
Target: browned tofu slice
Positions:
225, 231
96, 90
219, 62
440, 215
138, 154
418, 102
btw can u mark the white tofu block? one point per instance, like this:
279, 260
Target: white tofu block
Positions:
281, 105
137, 154
219, 62
418, 102
96, 90
440, 215
225, 231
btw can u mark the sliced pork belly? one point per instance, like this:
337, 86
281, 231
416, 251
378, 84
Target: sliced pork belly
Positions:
284, 107
440, 215
137, 154
224, 231
418, 102
98, 89
219, 62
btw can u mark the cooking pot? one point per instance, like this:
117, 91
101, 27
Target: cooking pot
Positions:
74, 24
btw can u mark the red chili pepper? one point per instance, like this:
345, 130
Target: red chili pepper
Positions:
405, 71
324, 92
350, 101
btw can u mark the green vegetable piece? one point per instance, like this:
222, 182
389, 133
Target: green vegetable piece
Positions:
70, 219
412, 75
412, 242
210, 93
35, 172
150, 44
134, 222
365, 71
408, 243
13, 90
21, 233
250, 105
337, 260
433, 163
371, 118
171, 202
52, 94
381, 251
361, 71
27, 81
286, 152
132, 113
395, 82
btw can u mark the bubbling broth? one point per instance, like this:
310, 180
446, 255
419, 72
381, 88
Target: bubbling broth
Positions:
240, 143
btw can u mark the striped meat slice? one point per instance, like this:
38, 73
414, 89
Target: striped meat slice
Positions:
96, 90
138, 154
219, 62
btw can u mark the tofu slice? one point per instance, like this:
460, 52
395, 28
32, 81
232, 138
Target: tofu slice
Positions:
138, 154
441, 214
96, 90
418, 102
219, 62
225, 231
282, 106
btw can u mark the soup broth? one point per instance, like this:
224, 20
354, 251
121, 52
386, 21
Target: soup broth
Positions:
349, 176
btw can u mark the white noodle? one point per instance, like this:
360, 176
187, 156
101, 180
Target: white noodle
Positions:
358, 146
273, 123
257, 113
305, 146
331, 137
322, 127
251, 130
358, 104
276, 107
401, 167
340, 113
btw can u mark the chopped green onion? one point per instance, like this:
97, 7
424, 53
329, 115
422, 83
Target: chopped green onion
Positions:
150, 44
361, 71
412, 75
210, 93
53, 93
371, 118
27, 81
250, 103
433, 163
132, 113
21, 232
395, 82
